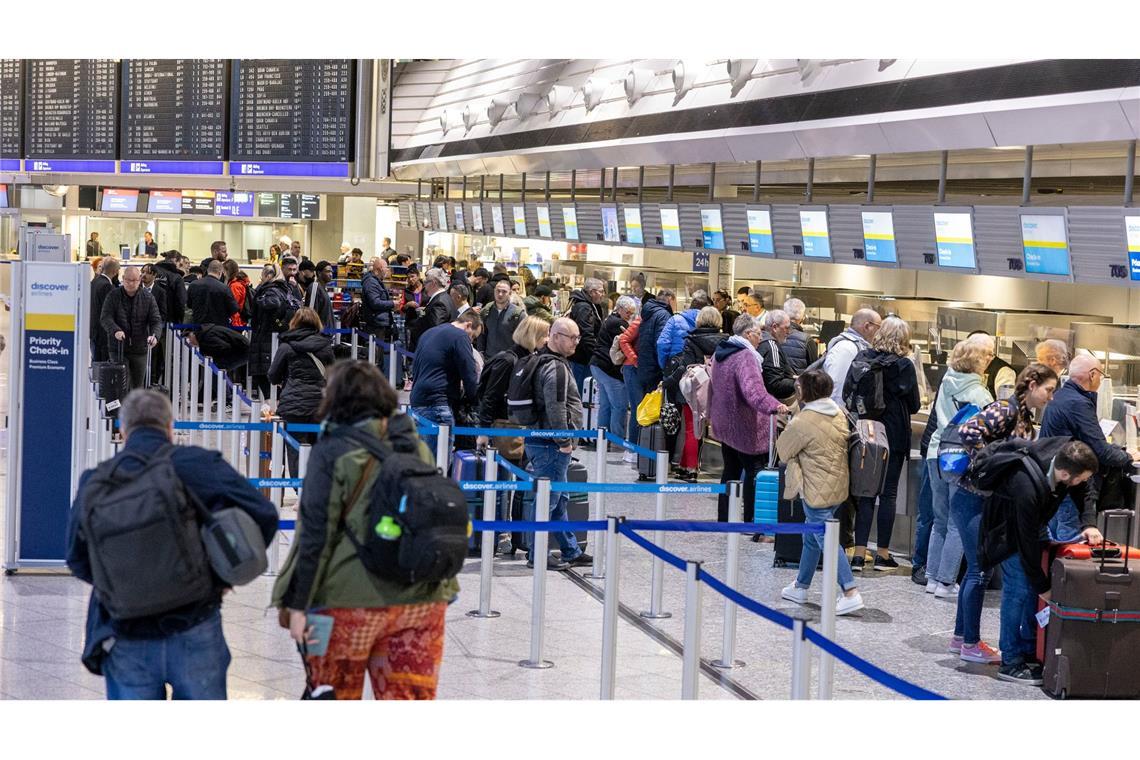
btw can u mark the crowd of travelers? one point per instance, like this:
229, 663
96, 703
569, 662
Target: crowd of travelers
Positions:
491, 349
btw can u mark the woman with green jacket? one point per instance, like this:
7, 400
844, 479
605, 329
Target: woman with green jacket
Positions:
393, 631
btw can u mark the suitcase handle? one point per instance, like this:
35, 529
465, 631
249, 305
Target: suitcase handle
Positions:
1109, 514
772, 442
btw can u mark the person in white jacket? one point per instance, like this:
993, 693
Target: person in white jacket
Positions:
842, 349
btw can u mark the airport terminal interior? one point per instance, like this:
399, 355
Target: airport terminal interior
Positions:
961, 195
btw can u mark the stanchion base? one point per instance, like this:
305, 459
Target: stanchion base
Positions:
593, 577
650, 615
540, 665
478, 614
722, 666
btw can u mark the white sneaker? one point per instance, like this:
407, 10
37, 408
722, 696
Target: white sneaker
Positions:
932, 586
946, 592
794, 593
629, 458
846, 604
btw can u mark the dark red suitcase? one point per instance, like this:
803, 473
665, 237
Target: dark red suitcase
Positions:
1092, 642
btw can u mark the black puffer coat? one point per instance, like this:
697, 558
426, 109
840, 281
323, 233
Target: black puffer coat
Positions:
271, 313
294, 367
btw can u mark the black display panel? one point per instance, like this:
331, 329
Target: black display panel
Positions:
198, 202
11, 106
70, 111
289, 205
174, 109
292, 110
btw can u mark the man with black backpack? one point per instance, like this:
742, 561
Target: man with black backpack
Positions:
544, 396
154, 618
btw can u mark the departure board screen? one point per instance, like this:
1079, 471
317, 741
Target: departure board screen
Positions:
11, 85
174, 116
70, 114
291, 117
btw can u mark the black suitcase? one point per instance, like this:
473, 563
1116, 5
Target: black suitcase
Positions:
652, 438
1093, 635
578, 510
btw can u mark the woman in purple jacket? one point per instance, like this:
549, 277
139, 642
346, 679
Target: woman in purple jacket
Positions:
740, 411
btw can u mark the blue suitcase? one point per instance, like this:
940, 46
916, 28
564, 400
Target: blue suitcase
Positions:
772, 507
468, 465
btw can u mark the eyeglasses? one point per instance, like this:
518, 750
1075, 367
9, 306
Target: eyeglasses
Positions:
1101, 371
574, 338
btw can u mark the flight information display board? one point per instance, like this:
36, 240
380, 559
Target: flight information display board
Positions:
70, 114
173, 116
291, 117
11, 111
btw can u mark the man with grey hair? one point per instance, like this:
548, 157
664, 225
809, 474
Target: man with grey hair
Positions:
843, 348
1054, 354
612, 397
438, 308
586, 311
779, 379
1072, 414
181, 647
800, 350
130, 317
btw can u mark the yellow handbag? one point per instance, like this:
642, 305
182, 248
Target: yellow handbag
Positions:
649, 410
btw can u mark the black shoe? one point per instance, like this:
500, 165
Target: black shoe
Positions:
689, 476
551, 564
1021, 673
918, 575
857, 564
642, 477
885, 564
581, 560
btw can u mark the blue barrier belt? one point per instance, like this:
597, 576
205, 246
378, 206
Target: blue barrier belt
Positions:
502, 485
286, 525
652, 548
293, 442
875, 673
523, 433
189, 326
692, 526
303, 427
424, 421
519, 526
698, 488
238, 392
639, 450
276, 482
337, 331
518, 472
402, 352
194, 425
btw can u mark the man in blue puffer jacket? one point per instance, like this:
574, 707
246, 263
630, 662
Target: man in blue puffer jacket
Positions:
672, 339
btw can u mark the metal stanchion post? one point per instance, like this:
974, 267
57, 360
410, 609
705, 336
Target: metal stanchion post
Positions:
691, 654
176, 388
801, 661
827, 604
254, 464
610, 608
303, 461
100, 426
235, 435
371, 349
207, 399
168, 358
273, 388
598, 538
487, 547
393, 357
354, 355
731, 575
658, 577
443, 447
184, 391
538, 603
192, 402
220, 400
276, 465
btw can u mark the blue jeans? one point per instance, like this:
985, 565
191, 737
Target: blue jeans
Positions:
945, 556
581, 372
546, 461
813, 549
193, 662
440, 414
634, 392
966, 512
1018, 610
612, 400
925, 518
1065, 527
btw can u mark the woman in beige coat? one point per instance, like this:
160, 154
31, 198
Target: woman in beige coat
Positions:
814, 445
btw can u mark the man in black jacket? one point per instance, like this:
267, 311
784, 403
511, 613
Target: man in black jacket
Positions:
779, 380
130, 318
586, 311
376, 309
316, 297
175, 289
101, 287
184, 647
218, 253
1026, 495
211, 302
500, 318
438, 308
484, 290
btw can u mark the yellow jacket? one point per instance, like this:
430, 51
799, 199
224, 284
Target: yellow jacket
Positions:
814, 446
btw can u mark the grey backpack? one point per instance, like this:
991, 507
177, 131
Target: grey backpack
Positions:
867, 456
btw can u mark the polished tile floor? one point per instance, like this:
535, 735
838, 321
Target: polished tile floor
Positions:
902, 630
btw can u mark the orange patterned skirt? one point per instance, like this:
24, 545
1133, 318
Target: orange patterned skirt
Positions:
401, 647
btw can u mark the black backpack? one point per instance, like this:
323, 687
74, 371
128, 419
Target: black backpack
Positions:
143, 538
863, 393
521, 408
988, 469
429, 510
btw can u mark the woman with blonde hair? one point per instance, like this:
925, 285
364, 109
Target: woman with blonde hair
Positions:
882, 385
962, 385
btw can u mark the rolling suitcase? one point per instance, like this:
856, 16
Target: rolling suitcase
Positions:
652, 438
590, 405
1093, 632
772, 507
112, 381
578, 510
468, 465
